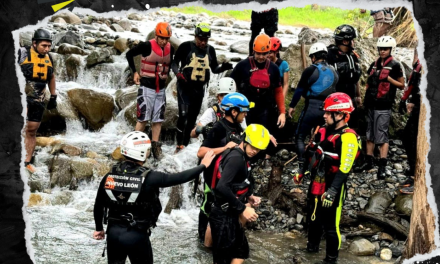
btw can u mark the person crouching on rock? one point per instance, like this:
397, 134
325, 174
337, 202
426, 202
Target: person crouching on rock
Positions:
232, 187
329, 162
130, 194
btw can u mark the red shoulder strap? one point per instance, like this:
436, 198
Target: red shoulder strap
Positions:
252, 62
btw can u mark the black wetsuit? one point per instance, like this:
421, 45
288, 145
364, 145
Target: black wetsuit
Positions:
228, 236
123, 239
190, 93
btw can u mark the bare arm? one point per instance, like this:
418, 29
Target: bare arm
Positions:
400, 83
285, 83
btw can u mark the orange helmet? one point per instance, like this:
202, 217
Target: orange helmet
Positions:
163, 29
275, 44
262, 43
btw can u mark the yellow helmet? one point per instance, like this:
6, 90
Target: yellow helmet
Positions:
257, 136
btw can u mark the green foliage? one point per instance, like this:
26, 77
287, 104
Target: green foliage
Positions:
311, 16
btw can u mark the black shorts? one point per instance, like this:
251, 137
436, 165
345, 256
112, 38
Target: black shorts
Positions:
267, 20
35, 109
228, 237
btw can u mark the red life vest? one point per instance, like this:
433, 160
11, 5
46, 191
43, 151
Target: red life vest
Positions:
410, 86
380, 78
157, 64
260, 78
239, 189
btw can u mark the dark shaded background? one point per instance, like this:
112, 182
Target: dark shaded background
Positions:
15, 14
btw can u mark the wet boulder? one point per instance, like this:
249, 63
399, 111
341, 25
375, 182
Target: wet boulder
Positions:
125, 24
25, 38
404, 204
308, 36
121, 44
66, 48
378, 203
38, 199
241, 47
68, 37
117, 28
60, 173
99, 56
124, 97
69, 17
47, 141
82, 169
97, 108
362, 247
135, 16
62, 198
73, 66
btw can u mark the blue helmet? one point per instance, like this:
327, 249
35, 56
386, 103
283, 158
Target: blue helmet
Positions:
235, 100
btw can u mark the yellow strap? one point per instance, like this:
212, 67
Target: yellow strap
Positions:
314, 210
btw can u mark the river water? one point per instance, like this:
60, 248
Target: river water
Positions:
62, 233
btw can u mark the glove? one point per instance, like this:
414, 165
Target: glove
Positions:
199, 130
328, 197
180, 77
52, 102
402, 107
297, 178
226, 66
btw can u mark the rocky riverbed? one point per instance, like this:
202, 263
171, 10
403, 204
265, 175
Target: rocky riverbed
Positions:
77, 145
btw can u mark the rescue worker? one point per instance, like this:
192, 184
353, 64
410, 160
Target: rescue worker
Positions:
232, 187
225, 134
412, 107
385, 77
274, 56
196, 58
317, 82
157, 55
329, 160
224, 86
267, 20
38, 69
258, 79
343, 57
130, 194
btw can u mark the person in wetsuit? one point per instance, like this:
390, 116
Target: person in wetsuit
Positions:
329, 159
130, 195
317, 82
196, 59
232, 186
225, 134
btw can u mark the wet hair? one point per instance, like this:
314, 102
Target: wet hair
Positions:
320, 55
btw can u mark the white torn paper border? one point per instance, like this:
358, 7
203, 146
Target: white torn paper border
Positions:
344, 4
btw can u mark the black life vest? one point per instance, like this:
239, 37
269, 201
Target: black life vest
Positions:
197, 68
239, 189
378, 87
345, 64
128, 195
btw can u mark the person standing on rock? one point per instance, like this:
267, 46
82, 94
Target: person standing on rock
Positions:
38, 69
224, 135
385, 76
224, 86
157, 56
267, 20
259, 80
329, 159
317, 82
410, 103
274, 56
196, 59
382, 21
345, 60
130, 195
233, 187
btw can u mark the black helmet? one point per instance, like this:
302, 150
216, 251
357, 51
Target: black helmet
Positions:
42, 34
345, 32
203, 30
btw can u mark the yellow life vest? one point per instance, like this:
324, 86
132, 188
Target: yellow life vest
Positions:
37, 67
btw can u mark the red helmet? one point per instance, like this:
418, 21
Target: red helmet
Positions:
338, 102
275, 44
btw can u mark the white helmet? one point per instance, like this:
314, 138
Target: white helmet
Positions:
317, 47
387, 42
225, 85
135, 145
